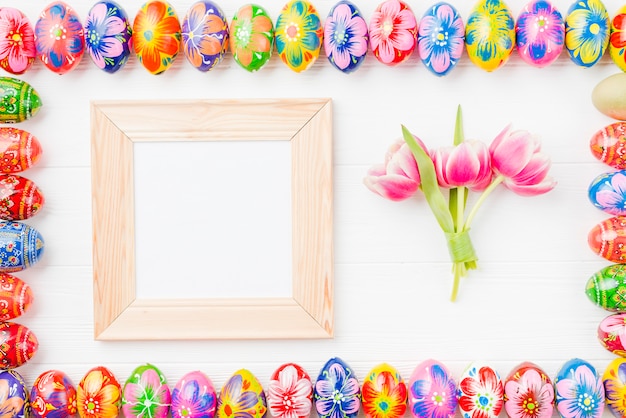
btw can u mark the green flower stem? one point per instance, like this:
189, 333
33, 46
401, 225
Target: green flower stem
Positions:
499, 179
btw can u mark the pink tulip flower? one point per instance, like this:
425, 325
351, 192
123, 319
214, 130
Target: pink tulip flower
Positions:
465, 165
517, 157
398, 178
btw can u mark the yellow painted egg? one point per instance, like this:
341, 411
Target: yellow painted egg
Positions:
490, 34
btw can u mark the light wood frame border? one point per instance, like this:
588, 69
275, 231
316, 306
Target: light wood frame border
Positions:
117, 125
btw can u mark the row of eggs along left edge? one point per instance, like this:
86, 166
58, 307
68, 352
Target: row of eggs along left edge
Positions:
21, 245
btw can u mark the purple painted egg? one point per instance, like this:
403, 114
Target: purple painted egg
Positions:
107, 36
16, 297
432, 391
98, 394
608, 239
14, 393
528, 391
345, 37
282, 400
242, 393
579, 390
336, 380
540, 33
393, 32
205, 35
18, 345
384, 384
481, 392
59, 38
53, 394
606, 192
614, 380
441, 38
612, 333
18, 49
609, 145
146, 393
19, 150
194, 396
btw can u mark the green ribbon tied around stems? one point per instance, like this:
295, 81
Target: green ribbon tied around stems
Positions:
460, 247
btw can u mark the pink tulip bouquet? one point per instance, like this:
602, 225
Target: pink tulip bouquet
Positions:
514, 159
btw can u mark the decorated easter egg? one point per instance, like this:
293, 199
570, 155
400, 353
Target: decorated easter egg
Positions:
607, 287
19, 150
617, 38
205, 35
14, 393
608, 239
16, 297
298, 35
18, 49
393, 32
579, 390
490, 34
432, 391
614, 379
18, 344
384, 393
609, 96
19, 100
282, 400
146, 393
59, 38
441, 38
21, 246
242, 395
156, 36
539, 33
53, 394
20, 198
194, 396
107, 35
606, 192
251, 37
337, 381
528, 391
609, 145
345, 37
98, 395
481, 392
587, 28
612, 333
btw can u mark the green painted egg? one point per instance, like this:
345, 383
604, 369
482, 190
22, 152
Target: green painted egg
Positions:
18, 100
607, 288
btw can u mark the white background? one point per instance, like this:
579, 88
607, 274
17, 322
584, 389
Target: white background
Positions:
392, 274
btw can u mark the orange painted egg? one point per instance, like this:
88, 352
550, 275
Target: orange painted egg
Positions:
53, 395
20, 198
609, 145
156, 36
384, 384
608, 239
98, 395
16, 297
18, 345
19, 150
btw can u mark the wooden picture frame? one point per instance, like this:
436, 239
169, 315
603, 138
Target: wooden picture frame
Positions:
118, 313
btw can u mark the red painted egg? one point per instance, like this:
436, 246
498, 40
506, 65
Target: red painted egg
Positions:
16, 296
20, 198
612, 333
609, 145
608, 239
18, 344
528, 391
53, 394
393, 32
19, 150
280, 394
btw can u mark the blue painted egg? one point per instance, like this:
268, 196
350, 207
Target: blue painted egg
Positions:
441, 38
432, 391
345, 37
579, 390
337, 392
53, 395
15, 394
607, 192
587, 29
194, 396
614, 379
205, 35
107, 35
242, 396
539, 33
481, 392
21, 246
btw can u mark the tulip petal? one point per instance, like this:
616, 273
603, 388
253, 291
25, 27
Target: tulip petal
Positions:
403, 163
535, 171
511, 151
463, 165
392, 187
531, 190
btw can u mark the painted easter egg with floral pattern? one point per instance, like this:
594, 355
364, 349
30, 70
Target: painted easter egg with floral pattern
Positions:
617, 39
539, 33
579, 390
290, 392
19, 101
614, 380
146, 393
98, 394
59, 38
490, 34
608, 239
16, 297
345, 37
251, 37
21, 246
298, 35
481, 392
53, 395
432, 391
205, 35
393, 32
609, 145
242, 396
15, 402
18, 344
19, 150
337, 392
108, 36
17, 41
606, 192
384, 393
612, 333
156, 36
587, 30
194, 396
441, 38
528, 391
20, 198
607, 288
